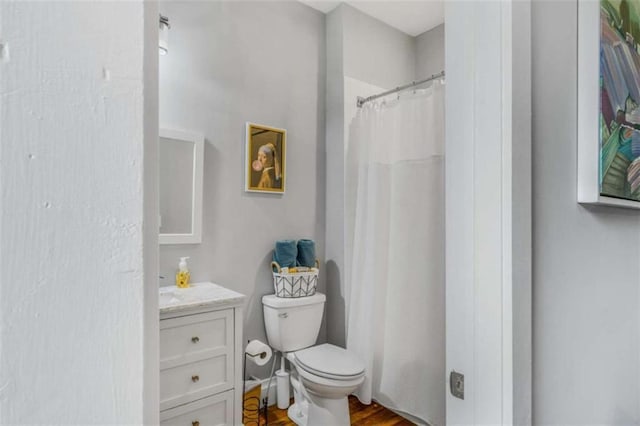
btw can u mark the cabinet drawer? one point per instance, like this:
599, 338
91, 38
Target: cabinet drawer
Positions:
211, 411
184, 383
195, 337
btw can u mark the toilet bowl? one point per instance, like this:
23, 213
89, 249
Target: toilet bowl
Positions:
323, 375
328, 370
328, 374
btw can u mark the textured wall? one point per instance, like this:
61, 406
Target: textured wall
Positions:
71, 246
229, 63
150, 226
585, 259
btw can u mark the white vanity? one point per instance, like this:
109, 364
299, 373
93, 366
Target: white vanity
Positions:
201, 352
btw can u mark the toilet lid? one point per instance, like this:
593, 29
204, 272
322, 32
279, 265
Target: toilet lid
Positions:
329, 361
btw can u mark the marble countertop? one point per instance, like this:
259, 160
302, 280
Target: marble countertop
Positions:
199, 295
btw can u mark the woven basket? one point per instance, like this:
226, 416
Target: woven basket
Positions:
295, 284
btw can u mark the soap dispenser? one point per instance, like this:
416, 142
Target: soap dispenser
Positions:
182, 276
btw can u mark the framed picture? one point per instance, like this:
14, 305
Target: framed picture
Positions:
265, 159
609, 102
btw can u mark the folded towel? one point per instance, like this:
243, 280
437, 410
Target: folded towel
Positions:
306, 253
285, 253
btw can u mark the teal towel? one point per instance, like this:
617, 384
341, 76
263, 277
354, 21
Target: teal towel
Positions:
285, 253
306, 253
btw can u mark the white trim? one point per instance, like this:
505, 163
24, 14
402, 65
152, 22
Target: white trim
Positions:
151, 343
488, 210
519, 319
588, 101
506, 212
195, 236
273, 389
459, 223
238, 361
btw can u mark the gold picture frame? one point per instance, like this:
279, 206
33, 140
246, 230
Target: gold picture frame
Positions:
265, 151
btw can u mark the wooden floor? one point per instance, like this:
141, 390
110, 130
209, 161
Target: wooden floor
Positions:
361, 415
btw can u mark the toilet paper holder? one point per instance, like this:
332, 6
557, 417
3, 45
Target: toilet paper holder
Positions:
262, 355
259, 353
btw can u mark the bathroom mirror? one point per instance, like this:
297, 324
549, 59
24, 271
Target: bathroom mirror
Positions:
181, 159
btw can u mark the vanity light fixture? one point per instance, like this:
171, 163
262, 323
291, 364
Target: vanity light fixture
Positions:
164, 35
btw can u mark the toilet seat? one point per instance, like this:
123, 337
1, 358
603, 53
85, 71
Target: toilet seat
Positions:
323, 385
329, 362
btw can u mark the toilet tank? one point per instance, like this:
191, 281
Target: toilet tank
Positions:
292, 323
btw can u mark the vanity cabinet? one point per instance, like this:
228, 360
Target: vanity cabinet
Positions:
201, 356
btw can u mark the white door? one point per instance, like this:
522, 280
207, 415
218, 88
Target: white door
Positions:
488, 211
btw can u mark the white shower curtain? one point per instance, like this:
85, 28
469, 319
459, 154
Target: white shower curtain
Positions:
395, 250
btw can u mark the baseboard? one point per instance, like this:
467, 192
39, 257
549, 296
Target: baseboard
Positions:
273, 394
418, 421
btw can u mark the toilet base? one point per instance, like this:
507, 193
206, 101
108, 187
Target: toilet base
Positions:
298, 413
320, 412
320, 401
328, 411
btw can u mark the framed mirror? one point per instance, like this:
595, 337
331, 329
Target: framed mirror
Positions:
181, 162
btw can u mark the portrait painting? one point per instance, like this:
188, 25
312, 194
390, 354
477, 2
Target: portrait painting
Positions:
265, 159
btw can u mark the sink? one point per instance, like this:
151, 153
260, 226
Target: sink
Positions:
172, 297
166, 298
195, 292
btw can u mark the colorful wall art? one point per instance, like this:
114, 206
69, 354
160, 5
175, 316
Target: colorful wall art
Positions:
619, 168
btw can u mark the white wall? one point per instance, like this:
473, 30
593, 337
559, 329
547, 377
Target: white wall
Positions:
72, 312
585, 259
150, 226
430, 52
229, 63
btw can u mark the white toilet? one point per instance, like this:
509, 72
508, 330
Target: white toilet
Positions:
322, 376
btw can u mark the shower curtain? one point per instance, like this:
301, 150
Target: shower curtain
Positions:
395, 251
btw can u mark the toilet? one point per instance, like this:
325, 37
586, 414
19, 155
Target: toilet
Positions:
322, 376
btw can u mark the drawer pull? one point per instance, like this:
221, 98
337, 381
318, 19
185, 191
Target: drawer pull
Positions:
195, 423
195, 339
194, 379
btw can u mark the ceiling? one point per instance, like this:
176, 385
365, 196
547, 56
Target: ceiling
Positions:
411, 16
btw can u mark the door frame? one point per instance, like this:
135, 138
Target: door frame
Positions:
488, 210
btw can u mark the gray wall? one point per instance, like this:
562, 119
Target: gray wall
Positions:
229, 63
585, 259
360, 47
430, 52
335, 160
374, 52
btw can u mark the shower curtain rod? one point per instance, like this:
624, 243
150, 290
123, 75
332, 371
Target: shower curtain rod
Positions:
362, 101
